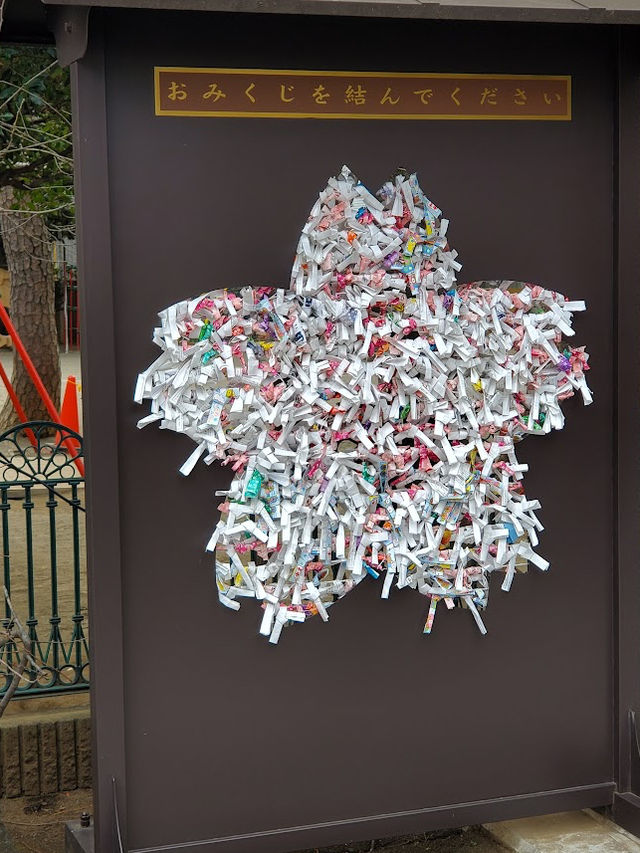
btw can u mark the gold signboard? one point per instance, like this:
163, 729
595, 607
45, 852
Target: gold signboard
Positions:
261, 93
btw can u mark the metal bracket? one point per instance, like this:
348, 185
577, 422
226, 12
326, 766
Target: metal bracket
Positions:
70, 27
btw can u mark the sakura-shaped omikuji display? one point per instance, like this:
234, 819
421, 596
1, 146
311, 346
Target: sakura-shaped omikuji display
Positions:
369, 412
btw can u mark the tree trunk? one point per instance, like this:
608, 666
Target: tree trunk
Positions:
28, 249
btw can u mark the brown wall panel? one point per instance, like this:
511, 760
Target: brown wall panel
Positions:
363, 716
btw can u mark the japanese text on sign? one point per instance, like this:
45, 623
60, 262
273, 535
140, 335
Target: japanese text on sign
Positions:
242, 92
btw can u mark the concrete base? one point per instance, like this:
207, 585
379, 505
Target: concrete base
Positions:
78, 839
569, 832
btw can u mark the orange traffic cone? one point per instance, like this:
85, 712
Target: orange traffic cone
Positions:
69, 410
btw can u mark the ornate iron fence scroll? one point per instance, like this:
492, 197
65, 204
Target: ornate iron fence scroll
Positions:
43, 563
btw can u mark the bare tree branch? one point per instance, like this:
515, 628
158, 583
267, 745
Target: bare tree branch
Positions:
23, 87
15, 633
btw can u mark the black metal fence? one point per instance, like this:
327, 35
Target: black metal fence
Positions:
43, 554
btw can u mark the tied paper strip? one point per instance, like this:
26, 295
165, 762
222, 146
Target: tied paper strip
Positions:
370, 413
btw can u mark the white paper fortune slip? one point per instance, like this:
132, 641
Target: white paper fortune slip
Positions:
369, 413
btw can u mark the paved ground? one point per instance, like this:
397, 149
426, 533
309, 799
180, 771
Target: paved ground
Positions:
568, 832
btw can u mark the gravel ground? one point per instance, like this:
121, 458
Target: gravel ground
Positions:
69, 366
36, 824
471, 838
